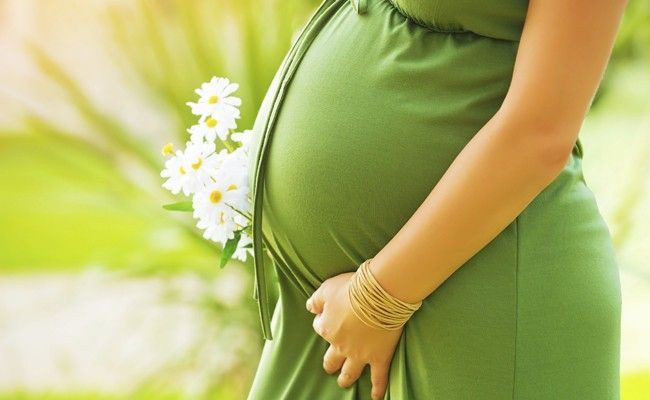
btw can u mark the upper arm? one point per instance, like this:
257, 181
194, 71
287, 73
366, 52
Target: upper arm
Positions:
561, 59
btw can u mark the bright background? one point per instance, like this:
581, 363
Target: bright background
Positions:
103, 294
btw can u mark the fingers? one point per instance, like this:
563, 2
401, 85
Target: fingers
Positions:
319, 327
379, 379
350, 372
333, 360
316, 302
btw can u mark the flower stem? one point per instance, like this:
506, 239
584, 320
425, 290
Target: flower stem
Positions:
247, 215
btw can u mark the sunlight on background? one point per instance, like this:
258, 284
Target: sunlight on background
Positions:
105, 295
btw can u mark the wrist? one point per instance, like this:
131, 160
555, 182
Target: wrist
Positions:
373, 305
395, 280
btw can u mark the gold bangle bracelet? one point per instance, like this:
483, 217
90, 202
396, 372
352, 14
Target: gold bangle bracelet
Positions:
373, 305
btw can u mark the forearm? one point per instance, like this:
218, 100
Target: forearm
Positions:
515, 155
496, 175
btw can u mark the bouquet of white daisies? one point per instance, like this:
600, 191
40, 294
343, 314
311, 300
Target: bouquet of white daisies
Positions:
214, 172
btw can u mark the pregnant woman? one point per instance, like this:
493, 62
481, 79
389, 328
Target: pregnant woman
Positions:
434, 143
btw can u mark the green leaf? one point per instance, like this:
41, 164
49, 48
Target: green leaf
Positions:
248, 229
180, 206
229, 249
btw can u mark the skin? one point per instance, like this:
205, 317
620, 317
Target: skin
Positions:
563, 53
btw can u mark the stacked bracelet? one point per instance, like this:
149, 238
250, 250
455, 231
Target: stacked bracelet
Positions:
373, 305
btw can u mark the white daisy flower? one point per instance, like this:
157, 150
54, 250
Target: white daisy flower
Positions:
218, 124
215, 96
235, 168
192, 169
244, 138
218, 182
219, 230
240, 220
212, 207
235, 162
204, 162
167, 150
176, 173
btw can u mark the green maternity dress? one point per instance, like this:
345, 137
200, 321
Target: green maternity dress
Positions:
369, 108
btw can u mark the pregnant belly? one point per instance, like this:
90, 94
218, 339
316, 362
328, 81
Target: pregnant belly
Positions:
376, 112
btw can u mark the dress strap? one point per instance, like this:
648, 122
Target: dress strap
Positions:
361, 6
287, 69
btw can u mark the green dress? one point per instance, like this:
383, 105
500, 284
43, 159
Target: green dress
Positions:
369, 108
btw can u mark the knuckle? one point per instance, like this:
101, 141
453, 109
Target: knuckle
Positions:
320, 326
379, 381
378, 360
324, 332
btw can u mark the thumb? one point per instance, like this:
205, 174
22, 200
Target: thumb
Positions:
316, 302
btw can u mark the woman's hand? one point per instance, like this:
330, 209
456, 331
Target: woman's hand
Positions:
353, 344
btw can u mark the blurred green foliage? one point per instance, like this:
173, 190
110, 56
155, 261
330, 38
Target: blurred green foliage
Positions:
636, 386
633, 40
86, 209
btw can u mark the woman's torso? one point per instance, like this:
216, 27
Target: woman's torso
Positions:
380, 105
377, 110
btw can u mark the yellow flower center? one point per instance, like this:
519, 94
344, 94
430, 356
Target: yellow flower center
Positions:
215, 196
211, 122
167, 149
197, 164
181, 170
213, 99
232, 187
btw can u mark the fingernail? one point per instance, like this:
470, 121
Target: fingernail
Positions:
308, 304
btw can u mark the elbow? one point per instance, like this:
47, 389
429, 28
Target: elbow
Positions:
553, 146
555, 159
548, 143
